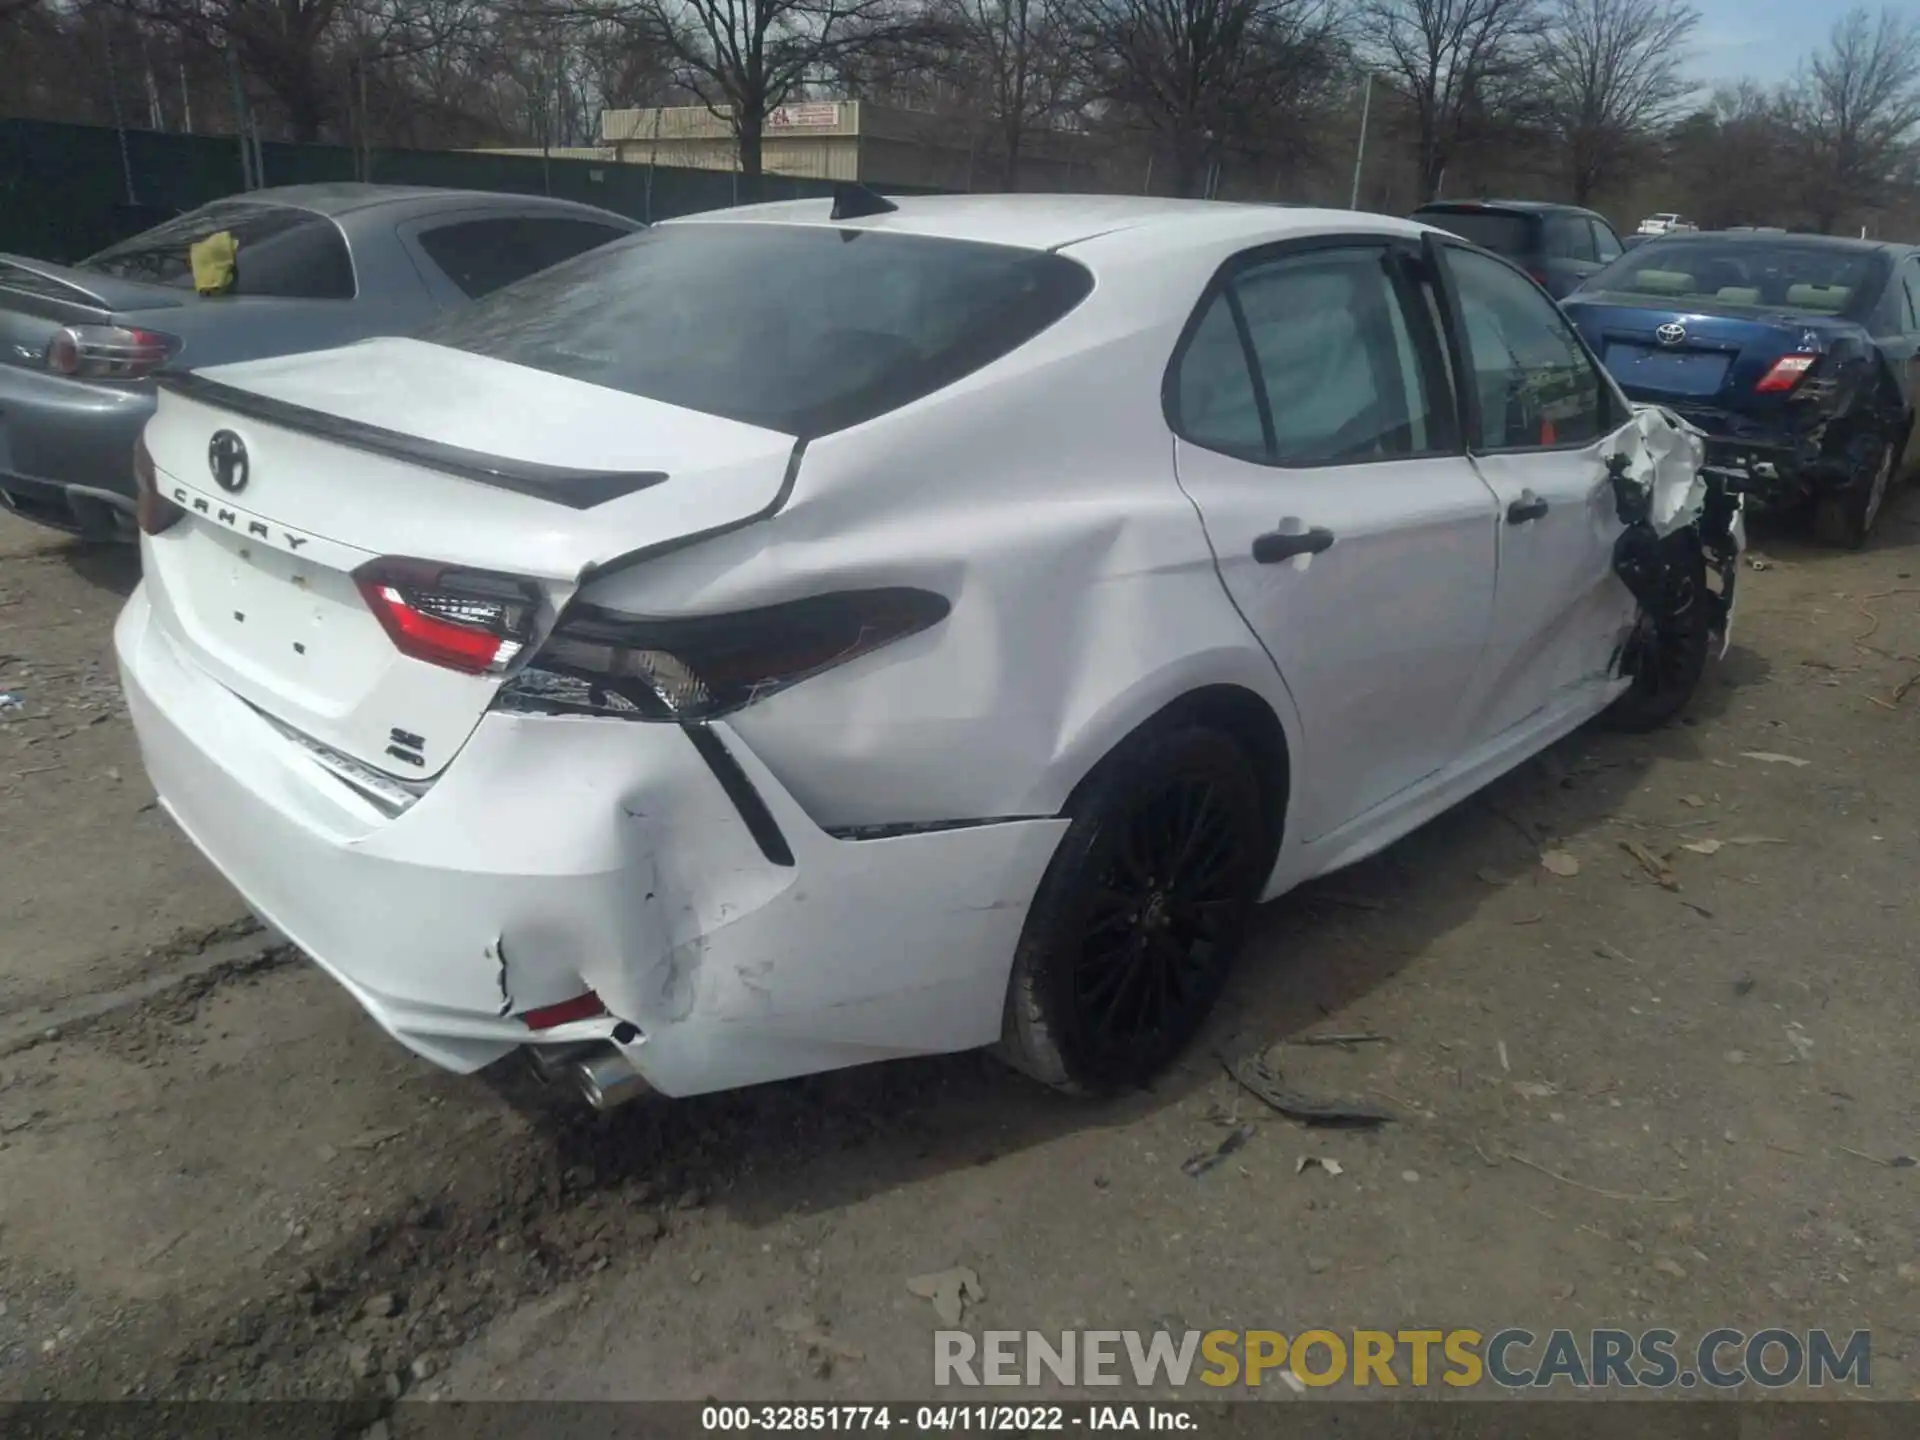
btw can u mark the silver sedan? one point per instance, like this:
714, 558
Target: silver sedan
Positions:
316, 266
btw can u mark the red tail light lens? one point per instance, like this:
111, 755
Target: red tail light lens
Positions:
1786, 373
580, 1007
151, 509
601, 662
109, 352
466, 620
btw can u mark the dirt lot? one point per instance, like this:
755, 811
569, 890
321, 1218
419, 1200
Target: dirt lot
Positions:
1621, 1102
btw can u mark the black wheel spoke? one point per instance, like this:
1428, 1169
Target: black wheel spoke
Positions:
1106, 981
1112, 909
1171, 959
1195, 828
1206, 872
1130, 969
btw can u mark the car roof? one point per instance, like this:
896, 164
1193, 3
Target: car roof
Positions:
1523, 207
1786, 237
336, 198
1051, 222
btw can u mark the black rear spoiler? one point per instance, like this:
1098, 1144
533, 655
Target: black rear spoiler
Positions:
561, 484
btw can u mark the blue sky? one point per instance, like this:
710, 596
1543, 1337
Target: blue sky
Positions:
1765, 39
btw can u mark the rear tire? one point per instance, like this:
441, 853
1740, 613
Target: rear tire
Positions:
1141, 913
1846, 518
1668, 658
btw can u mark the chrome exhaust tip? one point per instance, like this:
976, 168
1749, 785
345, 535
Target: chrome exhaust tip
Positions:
553, 1064
607, 1080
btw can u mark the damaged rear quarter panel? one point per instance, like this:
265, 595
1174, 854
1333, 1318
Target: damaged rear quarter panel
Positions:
1039, 496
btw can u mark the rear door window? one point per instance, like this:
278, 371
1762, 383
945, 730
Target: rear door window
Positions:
482, 256
1213, 390
1536, 386
1500, 231
1568, 237
280, 251
802, 329
1606, 244
1334, 358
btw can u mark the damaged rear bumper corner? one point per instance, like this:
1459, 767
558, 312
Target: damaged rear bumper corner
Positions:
558, 855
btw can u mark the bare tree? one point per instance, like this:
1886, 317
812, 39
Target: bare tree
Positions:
743, 59
1212, 76
1854, 112
1452, 58
1012, 65
285, 44
1730, 160
1614, 74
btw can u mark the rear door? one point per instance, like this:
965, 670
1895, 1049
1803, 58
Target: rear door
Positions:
1541, 422
1316, 438
1570, 256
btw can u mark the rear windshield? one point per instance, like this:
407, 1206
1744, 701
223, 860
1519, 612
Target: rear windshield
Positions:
280, 251
797, 328
1501, 232
1744, 274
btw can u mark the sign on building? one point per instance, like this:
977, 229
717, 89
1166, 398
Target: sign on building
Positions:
813, 115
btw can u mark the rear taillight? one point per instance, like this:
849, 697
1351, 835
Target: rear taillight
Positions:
109, 352
152, 509
467, 620
1786, 373
600, 662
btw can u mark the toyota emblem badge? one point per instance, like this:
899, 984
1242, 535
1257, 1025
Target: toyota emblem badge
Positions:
1671, 333
227, 459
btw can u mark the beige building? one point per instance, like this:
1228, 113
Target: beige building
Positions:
843, 140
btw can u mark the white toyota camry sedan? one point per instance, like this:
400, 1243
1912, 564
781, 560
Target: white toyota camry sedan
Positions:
820, 632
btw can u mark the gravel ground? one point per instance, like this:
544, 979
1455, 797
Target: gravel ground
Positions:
1674, 1087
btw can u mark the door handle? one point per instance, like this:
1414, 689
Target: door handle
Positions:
1528, 507
1273, 547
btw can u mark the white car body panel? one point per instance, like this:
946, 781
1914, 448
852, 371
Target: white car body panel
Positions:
1561, 613
1094, 570
1378, 685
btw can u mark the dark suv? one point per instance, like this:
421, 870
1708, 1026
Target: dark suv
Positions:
1559, 245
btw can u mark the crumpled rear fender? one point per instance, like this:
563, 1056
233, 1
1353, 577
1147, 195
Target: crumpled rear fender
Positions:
1675, 513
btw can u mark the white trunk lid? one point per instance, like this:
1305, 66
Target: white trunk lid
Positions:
257, 583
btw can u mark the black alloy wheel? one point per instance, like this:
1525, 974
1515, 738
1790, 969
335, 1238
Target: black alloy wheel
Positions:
1142, 911
1846, 518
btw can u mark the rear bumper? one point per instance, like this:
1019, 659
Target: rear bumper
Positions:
556, 855
1772, 467
76, 509
66, 450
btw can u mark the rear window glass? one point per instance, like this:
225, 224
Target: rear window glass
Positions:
281, 251
1816, 279
1504, 234
802, 329
482, 256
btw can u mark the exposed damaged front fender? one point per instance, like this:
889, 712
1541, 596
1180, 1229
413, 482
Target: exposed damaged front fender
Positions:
1677, 514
